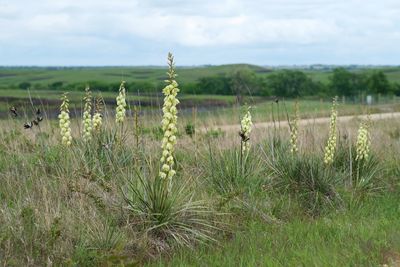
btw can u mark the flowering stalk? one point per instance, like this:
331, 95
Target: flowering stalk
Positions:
121, 104
87, 117
245, 129
169, 122
363, 141
97, 117
64, 121
294, 130
330, 147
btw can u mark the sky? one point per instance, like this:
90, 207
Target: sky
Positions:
198, 32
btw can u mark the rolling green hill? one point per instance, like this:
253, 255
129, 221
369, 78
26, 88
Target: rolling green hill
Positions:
11, 77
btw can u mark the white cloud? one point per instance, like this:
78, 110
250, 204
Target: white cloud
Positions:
342, 25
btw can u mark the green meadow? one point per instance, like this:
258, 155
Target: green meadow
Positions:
175, 179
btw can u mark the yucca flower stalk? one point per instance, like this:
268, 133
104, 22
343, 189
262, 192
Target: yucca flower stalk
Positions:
64, 121
98, 117
169, 122
87, 116
330, 147
294, 130
363, 141
246, 126
120, 111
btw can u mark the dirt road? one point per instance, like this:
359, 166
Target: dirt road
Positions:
260, 125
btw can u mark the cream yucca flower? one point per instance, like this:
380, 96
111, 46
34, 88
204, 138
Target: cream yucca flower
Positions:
363, 141
64, 122
246, 126
330, 147
87, 116
121, 104
97, 117
169, 122
294, 130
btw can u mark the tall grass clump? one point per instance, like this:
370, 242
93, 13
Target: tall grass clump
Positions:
64, 122
230, 175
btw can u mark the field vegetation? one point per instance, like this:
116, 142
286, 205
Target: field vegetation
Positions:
116, 186
222, 80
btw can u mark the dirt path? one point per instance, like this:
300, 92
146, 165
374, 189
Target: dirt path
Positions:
260, 125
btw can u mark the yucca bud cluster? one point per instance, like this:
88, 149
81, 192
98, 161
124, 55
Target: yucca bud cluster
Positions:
363, 142
294, 130
64, 122
121, 104
330, 147
97, 117
169, 122
87, 116
246, 126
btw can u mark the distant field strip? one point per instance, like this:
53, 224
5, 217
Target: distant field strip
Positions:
260, 125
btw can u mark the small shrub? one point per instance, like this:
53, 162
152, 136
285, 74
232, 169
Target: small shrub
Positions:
190, 129
215, 133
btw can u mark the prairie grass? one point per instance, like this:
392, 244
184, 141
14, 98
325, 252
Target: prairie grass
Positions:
102, 202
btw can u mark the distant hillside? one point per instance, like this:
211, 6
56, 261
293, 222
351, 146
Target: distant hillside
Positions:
11, 77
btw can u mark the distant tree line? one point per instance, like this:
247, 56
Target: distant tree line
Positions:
295, 83
283, 83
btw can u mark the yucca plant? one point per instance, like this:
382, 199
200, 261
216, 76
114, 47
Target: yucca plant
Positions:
303, 177
87, 126
230, 174
97, 120
65, 122
170, 215
330, 148
167, 209
361, 177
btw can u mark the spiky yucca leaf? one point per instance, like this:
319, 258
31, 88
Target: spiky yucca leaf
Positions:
169, 214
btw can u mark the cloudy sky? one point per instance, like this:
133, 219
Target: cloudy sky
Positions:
134, 32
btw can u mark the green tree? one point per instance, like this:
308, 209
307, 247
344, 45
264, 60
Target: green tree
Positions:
214, 85
245, 82
378, 83
396, 88
342, 82
24, 85
291, 83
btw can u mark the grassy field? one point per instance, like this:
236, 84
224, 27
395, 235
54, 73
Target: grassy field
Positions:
125, 194
66, 206
14, 76
367, 236
11, 77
